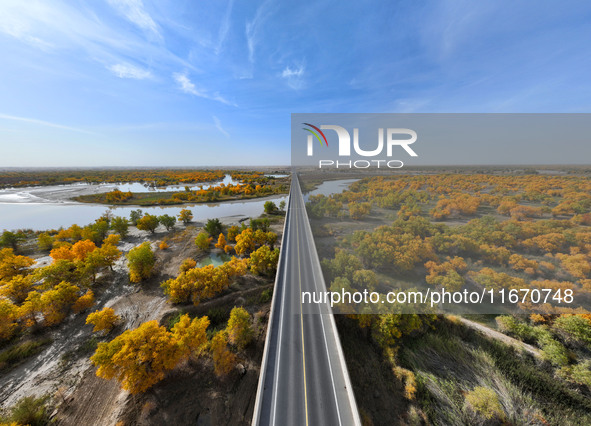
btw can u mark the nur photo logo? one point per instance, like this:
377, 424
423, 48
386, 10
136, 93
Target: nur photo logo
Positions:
387, 140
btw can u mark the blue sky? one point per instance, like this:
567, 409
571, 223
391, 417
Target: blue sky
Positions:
205, 83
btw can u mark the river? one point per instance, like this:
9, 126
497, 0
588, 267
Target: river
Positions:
42, 208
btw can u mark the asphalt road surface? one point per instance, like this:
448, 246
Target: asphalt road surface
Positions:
304, 379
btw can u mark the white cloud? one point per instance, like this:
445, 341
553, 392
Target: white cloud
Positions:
41, 123
294, 76
218, 125
187, 86
134, 11
295, 72
224, 28
129, 71
253, 28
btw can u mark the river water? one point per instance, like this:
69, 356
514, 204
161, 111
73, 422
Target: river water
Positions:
330, 187
42, 208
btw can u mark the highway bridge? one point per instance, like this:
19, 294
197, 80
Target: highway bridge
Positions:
304, 378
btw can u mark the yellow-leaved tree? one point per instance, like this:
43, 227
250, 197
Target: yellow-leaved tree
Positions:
221, 242
140, 358
103, 320
223, 359
141, 260
239, 328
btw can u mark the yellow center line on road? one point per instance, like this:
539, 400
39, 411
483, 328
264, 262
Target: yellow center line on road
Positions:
302, 320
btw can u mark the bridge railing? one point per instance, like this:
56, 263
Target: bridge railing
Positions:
278, 276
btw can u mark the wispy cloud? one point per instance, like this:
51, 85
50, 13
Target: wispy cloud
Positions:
294, 76
218, 125
134, 11
292, 72
253, 28
58, 27
129, 71
187, 86
224, 28
42, 123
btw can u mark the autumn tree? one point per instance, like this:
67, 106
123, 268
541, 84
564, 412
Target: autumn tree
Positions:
63, 252
82, 249
148, 222
120, 225
141, 261
245, 242
493, 280
105, 256
446, 274
270, 207
185, 216
60, 270
112, 239
84, 302
577, 265
55, 304
221, 242
44, 241
202, 241
271, 239
344, 265
140, 358
187, 264
224, 360
232, 232
263, 261
12, 265
358, 211
240, 332
9, 314
197, 284
103, 320
17, 288
521, 263
191, 334
365, 279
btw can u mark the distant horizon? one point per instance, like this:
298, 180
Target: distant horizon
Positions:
25, 168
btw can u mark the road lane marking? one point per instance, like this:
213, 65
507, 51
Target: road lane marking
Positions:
334, 389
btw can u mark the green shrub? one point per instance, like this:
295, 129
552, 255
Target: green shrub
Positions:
266, 295
29, 411
21, 351
202, 241
214, 227
577, 327
578, 373
485, 402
